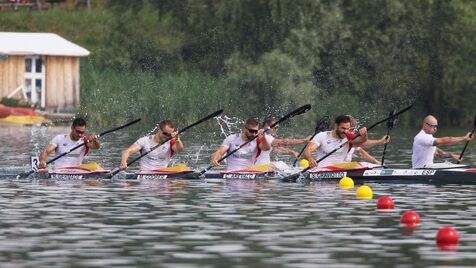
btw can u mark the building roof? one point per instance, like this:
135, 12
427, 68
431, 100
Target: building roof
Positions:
38, 44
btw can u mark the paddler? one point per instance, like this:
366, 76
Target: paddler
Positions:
64, 142
160, 157
326, 141
246, 156
359, 151
424, 144
277, 144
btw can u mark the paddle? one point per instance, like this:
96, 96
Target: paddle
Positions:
321, 125
390, 124
295, 176
298, 111
466, 145
78, 146
116, 170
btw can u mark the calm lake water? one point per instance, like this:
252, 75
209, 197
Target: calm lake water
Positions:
232, 224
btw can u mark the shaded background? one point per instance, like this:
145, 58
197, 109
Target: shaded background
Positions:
175, 59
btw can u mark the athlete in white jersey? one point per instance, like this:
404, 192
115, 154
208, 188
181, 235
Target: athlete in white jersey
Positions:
325, 142
277, 144
246, 156
160, 157
424, 144
65, 142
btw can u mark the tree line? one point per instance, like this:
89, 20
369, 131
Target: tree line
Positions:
343, 55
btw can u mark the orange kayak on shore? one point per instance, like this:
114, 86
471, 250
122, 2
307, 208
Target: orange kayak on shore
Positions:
20, 116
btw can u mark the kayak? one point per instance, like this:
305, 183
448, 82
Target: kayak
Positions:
20, 116
395, 176
359, 173
398, 176
95, 172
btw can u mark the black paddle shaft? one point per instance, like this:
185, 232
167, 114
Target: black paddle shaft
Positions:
116, 170
293, 177
390, 125
321, 125
298, 111
80, 145
466, 145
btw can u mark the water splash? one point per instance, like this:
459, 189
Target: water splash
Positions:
229, 125
197, 154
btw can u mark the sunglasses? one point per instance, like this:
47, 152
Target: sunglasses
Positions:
432, 126
252, 131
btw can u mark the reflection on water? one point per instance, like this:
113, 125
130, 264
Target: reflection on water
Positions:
233, 223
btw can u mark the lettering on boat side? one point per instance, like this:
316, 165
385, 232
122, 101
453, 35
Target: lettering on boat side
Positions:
400, 172
327, 175
239, 176
151, 177
66, 177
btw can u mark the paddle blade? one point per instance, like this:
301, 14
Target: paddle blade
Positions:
24, 175
322, 124
291, 178
298, 111
391, 122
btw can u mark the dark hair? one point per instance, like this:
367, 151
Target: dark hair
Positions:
268, 121
342, 119
251, 122
79, 122
166, 123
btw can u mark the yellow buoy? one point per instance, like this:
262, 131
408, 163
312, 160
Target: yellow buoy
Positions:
346, 183
303, 163
364, 192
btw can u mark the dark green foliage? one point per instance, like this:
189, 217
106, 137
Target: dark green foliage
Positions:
257, 57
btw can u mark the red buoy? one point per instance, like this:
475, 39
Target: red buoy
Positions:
410, 218
385, 202
447, 236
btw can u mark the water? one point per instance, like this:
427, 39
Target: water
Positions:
234, 223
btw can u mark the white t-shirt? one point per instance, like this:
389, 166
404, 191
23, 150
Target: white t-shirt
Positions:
423, 150
243, 158
63, 144
158, 158
326, 144
265, 156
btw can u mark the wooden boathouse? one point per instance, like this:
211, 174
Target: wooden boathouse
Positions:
41, 68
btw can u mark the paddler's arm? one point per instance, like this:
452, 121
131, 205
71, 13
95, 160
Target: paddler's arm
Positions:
284, 150
217, 155
370, 143
290, 142
452, 140
264, 145
311, 147
442, 154
44, 154
362, 154
361, 139
93, 142
134, 148
178, 146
